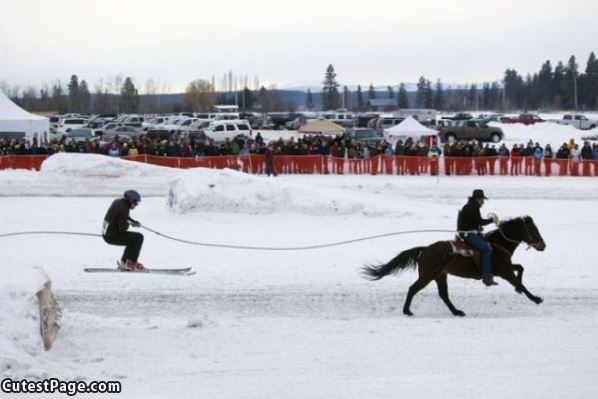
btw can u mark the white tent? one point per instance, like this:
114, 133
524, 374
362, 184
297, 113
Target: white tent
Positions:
14, 119
408, 128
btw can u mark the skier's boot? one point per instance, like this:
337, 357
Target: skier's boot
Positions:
131, 266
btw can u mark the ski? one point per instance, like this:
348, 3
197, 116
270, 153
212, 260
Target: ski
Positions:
185, 271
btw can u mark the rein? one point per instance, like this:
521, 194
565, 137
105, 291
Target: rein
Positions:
529, 245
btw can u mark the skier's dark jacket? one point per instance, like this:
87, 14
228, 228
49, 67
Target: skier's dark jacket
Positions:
470, 218
117, 217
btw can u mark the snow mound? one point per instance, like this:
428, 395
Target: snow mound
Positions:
544, 133
20, 340
227, 190
95, 165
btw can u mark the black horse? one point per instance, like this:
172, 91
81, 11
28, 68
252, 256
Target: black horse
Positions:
437, 260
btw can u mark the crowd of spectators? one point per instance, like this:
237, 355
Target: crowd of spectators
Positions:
339, 146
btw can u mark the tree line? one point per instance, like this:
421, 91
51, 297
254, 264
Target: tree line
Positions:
560, 87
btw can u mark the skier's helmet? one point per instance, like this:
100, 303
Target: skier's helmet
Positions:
132, 196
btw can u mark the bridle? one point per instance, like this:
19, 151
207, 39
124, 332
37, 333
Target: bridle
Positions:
527, 234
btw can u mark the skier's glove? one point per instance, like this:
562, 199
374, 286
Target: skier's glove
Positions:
135, 223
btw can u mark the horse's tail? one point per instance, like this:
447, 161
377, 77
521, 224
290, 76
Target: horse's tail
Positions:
402, 261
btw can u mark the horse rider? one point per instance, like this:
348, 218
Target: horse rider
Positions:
469, 225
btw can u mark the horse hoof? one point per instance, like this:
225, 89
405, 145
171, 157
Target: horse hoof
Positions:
459, 313
408, 312
517, 290
538, 300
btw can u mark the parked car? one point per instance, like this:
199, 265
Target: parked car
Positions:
385, 122
67, 124
342, 118
365, 135
80, 134
526, 119
108, 134
470, 129
579, 121
461, 116
220, 130
133, 121
158, 133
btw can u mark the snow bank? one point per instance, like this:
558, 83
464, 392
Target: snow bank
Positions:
544, 133
95, 165
231, 191
20, 340
85, 175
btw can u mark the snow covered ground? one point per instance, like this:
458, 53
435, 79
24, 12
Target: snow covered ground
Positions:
276, 324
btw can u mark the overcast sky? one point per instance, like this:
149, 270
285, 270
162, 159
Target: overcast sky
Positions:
288, 43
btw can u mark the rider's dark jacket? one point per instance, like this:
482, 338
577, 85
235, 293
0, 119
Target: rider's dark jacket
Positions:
470, 218
116, 220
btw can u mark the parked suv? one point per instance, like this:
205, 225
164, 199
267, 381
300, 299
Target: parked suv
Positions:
67, 124
579, 121
477, 129
220, 130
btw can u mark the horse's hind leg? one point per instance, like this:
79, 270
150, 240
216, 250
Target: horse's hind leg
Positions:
443, 292
419, 285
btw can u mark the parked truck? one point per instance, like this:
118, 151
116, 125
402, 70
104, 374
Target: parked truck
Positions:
578, 121
469, 130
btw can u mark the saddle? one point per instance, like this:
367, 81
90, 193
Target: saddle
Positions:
461, 248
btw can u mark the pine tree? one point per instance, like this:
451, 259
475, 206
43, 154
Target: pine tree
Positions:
421, 92
330, 95
84, 97
73, 88
591, 82
544, 90
429, 99
346, 98
439, 96
514, 90
403, 99
264, 99
495, 96
569, 86
129, 97
309, 103
371, 92
248, 98
486, 96
557, 84
359, 99
58, 101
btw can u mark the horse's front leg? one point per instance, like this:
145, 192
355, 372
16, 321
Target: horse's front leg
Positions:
519, 287
519, 270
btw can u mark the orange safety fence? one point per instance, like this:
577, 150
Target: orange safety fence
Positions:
380, 164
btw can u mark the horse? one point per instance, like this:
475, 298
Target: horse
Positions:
437, 260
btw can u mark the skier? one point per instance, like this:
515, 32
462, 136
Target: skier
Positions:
114, 231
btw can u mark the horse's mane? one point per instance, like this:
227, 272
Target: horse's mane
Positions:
505, 224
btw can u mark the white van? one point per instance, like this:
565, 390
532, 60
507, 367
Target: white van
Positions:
220, 130
66, 124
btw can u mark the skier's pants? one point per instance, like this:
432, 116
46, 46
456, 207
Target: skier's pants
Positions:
133, 242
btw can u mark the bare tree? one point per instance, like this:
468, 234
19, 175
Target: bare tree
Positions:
199, 95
